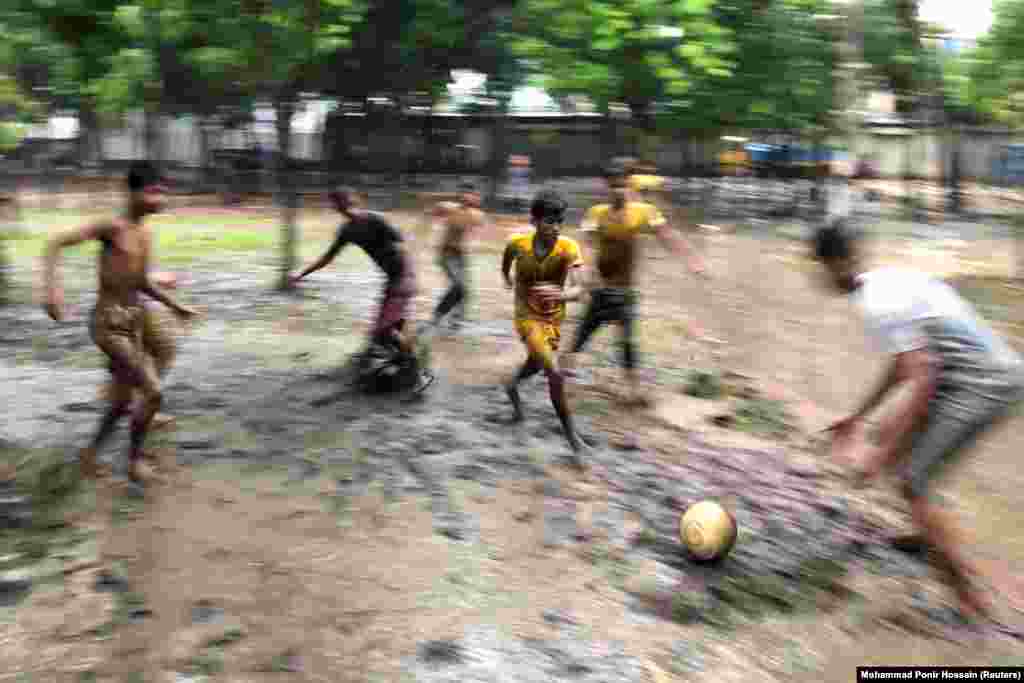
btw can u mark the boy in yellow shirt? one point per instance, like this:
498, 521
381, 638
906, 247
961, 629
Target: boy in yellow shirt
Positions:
613, 231
545, 263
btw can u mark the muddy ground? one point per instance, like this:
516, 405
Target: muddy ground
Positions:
308, 533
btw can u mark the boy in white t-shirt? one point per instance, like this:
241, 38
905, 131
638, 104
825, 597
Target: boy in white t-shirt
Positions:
962, 379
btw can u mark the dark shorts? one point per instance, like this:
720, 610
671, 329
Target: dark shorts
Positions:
607, 305
956, 417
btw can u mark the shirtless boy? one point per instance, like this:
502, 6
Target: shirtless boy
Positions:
117, 321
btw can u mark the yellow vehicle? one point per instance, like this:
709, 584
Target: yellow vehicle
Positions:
734, 159
644, 178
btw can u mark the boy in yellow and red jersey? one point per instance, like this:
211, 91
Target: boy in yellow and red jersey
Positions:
545, 263
613, 230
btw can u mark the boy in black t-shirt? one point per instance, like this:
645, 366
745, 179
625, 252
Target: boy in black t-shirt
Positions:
383, 243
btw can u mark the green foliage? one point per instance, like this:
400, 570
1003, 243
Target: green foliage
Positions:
207, 663
270, 49
783, 77
695, 64
228, 638
114, 56
14, 103
892, 45
994, 70
124, 85
762, 416
704, 385
11, 135
628, 51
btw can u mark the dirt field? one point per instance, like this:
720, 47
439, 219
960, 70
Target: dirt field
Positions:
309, 534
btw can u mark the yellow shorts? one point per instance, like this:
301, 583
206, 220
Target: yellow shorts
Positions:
541, 338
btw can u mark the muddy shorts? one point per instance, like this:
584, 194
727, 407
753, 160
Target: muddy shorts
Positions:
541, 338
118, 331
159, 338
610, 305
394, 306
957, 415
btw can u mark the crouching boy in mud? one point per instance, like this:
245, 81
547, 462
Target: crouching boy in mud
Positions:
962, 380
118, 319
544, 262
383, 243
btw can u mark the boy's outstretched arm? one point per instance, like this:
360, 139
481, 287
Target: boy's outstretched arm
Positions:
681, 246
331, 253
507, 260
152, 291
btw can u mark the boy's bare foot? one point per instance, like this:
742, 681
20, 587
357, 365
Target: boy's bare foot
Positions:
141, 474
157, 461
162, 421
90, 465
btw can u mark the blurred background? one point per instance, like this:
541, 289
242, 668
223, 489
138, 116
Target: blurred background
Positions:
752, 120
747, 108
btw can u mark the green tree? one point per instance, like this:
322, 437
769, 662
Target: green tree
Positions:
406, 52
65, 49
637, 52
892, 47
994, 69
891, 39
274, 51
995, 80
782, 77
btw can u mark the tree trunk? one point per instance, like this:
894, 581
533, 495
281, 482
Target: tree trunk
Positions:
686, 158
287, 190
151, 137
609, 136
817, 180
331, 146
9, 218
5, 284
909, 199
1017, 266
429, 157
90, 145
397, 170
955, 196
205, 161
498, 149
153, 90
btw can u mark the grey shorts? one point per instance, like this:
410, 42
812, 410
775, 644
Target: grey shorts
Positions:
957, 416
